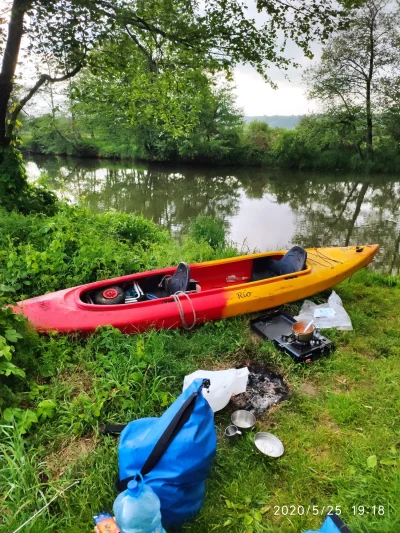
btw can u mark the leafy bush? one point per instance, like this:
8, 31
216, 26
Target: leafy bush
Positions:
257, 142
208, 229
16, 194
9, 336
42, 254
18, 350
13, 180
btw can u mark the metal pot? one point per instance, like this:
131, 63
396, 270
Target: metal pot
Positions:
301, 334
243, 419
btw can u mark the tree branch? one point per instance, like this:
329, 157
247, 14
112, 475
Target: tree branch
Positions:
43, 78
135, 20
359, 68
145, 52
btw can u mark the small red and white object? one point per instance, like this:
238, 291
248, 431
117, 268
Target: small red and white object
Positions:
105, 523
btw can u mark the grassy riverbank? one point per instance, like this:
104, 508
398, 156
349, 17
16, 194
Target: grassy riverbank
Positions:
340, 425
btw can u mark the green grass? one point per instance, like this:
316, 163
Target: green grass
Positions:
347, 412
340, 425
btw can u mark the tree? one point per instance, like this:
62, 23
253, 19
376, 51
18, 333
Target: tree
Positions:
356, 66
162, 108
219, 32
257, 139
391, 108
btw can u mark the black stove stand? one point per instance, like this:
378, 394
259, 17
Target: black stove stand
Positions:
277, 327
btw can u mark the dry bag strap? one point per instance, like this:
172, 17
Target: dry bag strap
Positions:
339, 523
113, 429
181, 417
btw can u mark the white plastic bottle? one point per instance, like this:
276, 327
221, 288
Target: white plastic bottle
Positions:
223, 384
137, 509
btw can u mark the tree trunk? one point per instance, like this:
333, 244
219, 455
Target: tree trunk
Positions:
357, 210
370, 150
10, 59
368, 140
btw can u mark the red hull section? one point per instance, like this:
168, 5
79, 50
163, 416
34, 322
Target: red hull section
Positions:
64, 310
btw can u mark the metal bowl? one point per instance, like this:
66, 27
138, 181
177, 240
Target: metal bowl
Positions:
268, 444
243, 419
300, 332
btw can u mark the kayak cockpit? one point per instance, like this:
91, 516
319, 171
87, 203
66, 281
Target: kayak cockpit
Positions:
130, 291
268, 267
197, 278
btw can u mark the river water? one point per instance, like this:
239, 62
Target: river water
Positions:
264, 209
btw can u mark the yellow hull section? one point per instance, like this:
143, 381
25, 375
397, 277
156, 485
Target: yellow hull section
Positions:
326, 267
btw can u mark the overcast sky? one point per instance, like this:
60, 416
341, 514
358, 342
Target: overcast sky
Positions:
258, 98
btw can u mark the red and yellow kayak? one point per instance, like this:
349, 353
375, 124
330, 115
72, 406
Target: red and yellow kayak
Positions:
225, 288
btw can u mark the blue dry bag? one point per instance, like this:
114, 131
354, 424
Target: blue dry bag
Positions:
332, 524
173, 453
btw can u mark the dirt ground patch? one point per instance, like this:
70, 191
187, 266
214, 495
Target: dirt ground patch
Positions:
70, 452
77, 381
265, 388
309, 389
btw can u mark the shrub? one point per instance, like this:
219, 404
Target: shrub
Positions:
257, 140
75, 246
208, 229
16, 194
18, 347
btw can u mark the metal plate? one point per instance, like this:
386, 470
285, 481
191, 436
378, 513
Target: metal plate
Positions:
268, 444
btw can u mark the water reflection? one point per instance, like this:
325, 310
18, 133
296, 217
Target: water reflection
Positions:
341, 213
268, 209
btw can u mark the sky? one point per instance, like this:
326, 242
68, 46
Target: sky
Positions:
256, 97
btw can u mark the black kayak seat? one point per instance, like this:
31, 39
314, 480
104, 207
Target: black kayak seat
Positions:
293, 261
180, 279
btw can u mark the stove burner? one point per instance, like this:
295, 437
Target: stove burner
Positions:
291, 339
304, 351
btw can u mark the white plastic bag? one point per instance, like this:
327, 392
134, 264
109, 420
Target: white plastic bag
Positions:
223, 385
336, 317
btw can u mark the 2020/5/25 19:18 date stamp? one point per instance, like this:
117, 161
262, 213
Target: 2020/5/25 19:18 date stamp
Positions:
359, 510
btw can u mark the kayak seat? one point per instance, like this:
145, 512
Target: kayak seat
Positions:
293, 261
180, 280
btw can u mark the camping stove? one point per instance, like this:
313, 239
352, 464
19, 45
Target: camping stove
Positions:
277, 327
